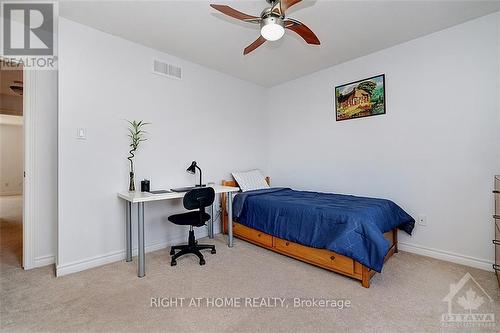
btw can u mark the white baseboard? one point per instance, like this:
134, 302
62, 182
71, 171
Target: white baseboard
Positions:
447, 256
44, 261
96, 261
111, 257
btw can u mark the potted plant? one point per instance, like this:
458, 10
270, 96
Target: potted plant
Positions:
136, 135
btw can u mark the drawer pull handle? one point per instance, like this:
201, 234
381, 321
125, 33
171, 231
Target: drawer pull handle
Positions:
496, 191
496, 242
496, 217
496, 267
287, 243
332, 257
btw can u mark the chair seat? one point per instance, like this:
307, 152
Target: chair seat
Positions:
189, 218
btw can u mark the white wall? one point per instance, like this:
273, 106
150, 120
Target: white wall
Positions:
103, 80
11, 156
435, 151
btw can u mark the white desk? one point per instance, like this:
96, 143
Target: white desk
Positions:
140, 198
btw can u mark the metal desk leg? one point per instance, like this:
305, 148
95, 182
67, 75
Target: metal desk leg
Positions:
230, 219
211, 224
140, 243
128, 228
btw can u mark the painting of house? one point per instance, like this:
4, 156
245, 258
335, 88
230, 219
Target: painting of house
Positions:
360, 99
357, 98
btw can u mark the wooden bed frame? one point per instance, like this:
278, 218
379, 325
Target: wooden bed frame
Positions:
318, 257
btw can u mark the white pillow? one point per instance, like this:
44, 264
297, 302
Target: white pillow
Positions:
250, 180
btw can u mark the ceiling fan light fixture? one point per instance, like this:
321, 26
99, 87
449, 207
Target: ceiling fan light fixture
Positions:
272, 28
273, 22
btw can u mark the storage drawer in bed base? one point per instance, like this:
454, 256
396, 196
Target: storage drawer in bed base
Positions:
318, 257
252, 235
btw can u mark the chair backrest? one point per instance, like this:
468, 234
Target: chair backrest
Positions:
199, 198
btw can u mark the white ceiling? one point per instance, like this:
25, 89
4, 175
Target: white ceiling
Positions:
347, 29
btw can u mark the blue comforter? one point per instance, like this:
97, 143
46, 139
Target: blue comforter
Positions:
349, 225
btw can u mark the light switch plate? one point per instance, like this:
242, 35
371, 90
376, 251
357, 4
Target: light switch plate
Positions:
81, 134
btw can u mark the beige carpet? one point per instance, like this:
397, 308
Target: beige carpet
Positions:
407, 297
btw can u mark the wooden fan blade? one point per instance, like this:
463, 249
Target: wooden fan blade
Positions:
224, 9
302, 30
254, 45
285, 4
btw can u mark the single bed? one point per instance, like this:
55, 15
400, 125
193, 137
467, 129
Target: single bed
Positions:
350, 235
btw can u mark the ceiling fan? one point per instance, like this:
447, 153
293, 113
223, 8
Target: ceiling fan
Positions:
273, 23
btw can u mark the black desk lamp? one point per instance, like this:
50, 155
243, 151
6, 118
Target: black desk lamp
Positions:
192, 170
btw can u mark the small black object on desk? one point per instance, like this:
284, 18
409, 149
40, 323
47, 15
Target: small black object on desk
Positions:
145, 185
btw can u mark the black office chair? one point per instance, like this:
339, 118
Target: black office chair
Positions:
197, 198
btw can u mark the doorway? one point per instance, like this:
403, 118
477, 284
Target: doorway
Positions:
11, 166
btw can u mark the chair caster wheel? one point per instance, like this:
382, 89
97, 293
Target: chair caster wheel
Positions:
213, 251
172, 252
202, 262
173, 263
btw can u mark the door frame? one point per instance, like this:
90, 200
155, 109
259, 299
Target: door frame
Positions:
30, 169
29, 179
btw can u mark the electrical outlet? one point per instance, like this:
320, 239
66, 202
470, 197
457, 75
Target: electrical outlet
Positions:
422, 220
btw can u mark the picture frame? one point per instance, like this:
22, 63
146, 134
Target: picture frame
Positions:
361, 98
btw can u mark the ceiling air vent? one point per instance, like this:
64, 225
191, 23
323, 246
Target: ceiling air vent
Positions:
165, 69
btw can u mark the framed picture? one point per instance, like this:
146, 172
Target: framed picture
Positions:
361, 98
